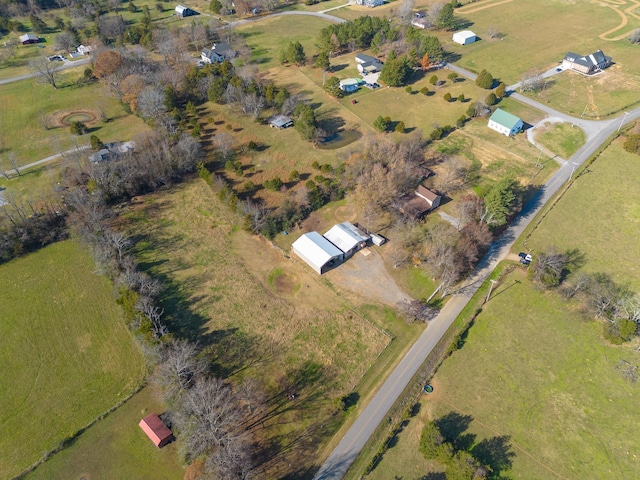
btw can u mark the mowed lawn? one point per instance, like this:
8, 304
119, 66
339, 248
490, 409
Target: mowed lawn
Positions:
563, 139
22, 132
116, 448
600, 216
533, 370
296, 331
65, 354
567, 26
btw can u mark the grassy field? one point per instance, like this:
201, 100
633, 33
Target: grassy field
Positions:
293, 329
568, 26
116, 448
266, 38
612, 216
22, 132
65, 352
592, 97
560, 138
542, 377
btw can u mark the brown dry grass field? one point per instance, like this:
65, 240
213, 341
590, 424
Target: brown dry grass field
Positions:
259, 314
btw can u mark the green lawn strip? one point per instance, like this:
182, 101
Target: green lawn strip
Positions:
65, 352
563, 139
22, 132
385, 432
613, 217
116, 448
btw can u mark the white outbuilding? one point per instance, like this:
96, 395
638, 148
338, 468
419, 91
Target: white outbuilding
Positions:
347, 237
317, 252
465, 37
505, 123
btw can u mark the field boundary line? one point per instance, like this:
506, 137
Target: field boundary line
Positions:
477, 6
449, 404
68, 441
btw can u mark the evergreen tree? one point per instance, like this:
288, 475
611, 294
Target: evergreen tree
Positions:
500, 90
484, 80
332, 86
396, 70
322, 60
446, 19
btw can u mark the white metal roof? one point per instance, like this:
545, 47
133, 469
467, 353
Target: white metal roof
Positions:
316, 249
345, 236
464, 34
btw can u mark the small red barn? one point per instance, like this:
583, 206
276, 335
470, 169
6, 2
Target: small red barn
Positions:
156, 430
28, 38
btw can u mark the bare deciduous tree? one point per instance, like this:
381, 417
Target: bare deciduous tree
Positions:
208, 416
493, 31
548, 267
532, 81
417, 311
252, 103
452, 176
45, 70
179, 369
634, 37
224, 142
405, 11
65, 41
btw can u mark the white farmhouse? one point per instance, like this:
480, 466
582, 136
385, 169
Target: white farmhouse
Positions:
505, 123
465, 37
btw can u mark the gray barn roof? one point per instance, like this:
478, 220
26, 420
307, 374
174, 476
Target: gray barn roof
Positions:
345, 236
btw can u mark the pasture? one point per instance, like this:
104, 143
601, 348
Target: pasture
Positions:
116, 448
297, 335
603, 226
568, 26
608, 93
29, 105
538, 380
65, 352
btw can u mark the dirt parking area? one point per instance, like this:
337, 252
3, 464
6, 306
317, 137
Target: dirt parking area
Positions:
366, 275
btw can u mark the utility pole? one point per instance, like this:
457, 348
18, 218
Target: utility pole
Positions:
572, 170
622, 120
493, 282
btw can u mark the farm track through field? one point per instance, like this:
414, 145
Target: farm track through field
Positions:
614, 4
477, 6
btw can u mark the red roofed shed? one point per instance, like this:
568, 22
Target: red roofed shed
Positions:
157, 431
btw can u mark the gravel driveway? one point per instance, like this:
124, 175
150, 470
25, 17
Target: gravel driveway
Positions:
368, 277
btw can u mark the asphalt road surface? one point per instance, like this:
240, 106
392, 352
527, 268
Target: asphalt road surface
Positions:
67, 64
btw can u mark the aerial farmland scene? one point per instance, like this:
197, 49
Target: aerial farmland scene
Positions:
319, 240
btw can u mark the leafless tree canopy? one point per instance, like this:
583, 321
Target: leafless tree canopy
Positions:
532, 81
45, 70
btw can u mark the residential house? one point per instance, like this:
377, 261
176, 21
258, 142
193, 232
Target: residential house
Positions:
350, 85
367, 64
347, 237
317, 252
111, 151
370, 3
592, 63
183, 11
464, 37
422, 201
28, 38
280, 121
219, 53
84, 49
505, 123
156, 430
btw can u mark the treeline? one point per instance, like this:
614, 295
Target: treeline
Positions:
598, 295
26, 227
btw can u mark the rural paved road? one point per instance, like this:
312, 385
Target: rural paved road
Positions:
339, 461
67, 64
48, 159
